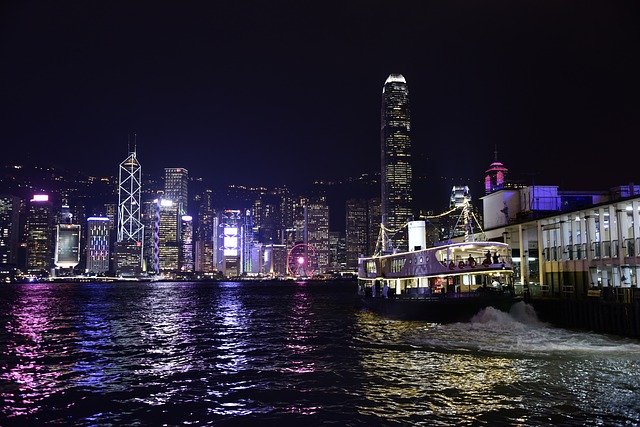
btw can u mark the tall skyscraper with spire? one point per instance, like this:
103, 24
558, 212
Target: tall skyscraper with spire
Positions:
396, 173
129, 246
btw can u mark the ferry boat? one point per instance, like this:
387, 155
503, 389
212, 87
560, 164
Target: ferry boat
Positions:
447, 283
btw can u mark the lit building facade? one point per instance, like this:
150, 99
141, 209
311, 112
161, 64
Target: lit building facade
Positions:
168, 247
275, 260
40, 219
206, 234
130, 228
396, 173
316, 214
97, 245
357, 231
176, 187
230, 242
9, 229
495, 176
186, 244
67, 253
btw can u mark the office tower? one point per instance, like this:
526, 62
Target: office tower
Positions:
67, 254
375, 218
111, 210
9, 229
316, 215
168, 248
247, 243
129, 246
205, 233
149, 214
229, 242
275, 260
337, 251
396, 173
267, 222
357, 231
186, 243
40, 220
176, 183
97, 245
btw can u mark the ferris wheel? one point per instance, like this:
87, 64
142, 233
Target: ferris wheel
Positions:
302, 260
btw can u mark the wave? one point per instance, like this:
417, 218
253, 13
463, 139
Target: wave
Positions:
520, 331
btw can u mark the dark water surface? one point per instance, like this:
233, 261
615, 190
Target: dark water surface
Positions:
269, 353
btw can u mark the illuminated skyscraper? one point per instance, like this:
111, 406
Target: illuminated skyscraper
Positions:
40, 220
357, 231
396, 172
316, 215
168, 236
67, 254
97, 245
129, 248
186, 243
176, 183
205, 234
230, 242
9, 234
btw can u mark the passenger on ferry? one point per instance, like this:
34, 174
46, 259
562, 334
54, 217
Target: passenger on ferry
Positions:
471, 261
487, 258
496, 260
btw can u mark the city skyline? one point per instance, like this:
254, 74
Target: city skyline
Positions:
278, 93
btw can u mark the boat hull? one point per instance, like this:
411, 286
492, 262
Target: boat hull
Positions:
444, 309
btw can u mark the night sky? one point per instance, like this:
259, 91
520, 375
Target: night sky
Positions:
271, 92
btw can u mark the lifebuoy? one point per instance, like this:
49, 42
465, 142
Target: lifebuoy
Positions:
461, 264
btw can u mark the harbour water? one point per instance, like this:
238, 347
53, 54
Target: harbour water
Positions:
282, 353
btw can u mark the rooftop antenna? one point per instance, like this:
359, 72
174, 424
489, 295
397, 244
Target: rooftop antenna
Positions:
495, 153
130, 147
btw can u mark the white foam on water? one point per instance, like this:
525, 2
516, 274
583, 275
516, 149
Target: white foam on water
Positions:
520, 331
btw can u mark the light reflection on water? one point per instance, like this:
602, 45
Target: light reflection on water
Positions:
222, 352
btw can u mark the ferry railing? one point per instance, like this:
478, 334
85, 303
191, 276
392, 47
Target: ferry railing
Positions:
569, 252
614, 249
597, 250
606, 249
629, 247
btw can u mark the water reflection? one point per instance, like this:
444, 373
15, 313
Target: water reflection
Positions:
495, 364
34, 360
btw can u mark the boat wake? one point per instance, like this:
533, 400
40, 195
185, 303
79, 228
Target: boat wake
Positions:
520, 331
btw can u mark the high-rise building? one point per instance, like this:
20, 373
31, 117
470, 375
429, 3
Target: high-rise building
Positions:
205, 233
67, 254
9, 229
186, 243
316, 214
275, 260
375, 219
168, 236
357, 231
396, 172
230, 242
176, 184
129, 247
40, 219
97, 245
